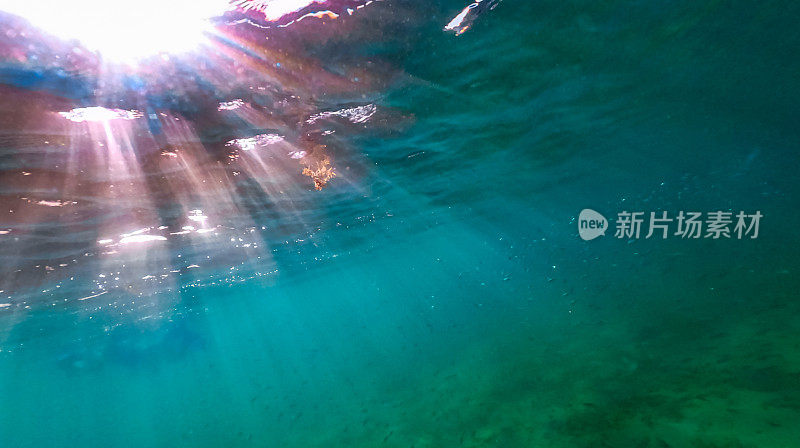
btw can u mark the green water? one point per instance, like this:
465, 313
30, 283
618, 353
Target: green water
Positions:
451, 302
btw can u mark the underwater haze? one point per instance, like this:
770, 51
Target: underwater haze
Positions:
359, 224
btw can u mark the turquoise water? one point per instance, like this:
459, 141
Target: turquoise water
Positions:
435, 293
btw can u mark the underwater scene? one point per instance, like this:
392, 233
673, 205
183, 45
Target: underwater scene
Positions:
399, 223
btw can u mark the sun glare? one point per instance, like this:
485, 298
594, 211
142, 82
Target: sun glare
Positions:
124, 31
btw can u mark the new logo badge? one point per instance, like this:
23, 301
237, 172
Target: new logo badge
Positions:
591, 224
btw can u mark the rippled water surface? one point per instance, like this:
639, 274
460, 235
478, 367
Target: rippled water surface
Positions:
355, 223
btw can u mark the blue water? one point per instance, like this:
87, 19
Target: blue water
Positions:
435, 291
